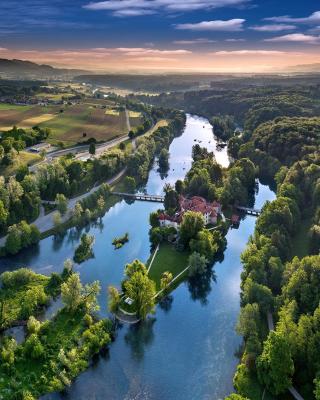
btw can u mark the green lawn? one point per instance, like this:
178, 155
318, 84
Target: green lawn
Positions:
168, 259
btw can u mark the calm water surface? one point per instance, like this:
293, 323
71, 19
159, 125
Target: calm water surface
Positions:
187, 350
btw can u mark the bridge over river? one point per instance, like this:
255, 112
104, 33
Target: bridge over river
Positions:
142, 197
160, 199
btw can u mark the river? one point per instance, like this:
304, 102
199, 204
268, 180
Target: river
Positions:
186, 351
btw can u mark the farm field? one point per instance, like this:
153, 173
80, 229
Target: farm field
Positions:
54, 96
77, 123
81, 122
24, 116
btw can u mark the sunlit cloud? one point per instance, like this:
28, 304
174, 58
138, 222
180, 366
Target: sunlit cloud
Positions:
132, 8
231, 25
311, 19
273, 28
233, 40
295, 37
248, 52
194, 41
146, 51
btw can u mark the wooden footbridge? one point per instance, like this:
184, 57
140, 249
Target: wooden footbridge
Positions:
141, 197
250, 211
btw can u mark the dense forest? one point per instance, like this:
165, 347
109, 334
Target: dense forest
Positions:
280, 281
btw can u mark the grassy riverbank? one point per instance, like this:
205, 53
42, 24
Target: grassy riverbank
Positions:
168, 259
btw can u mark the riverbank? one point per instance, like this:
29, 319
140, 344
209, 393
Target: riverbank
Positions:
199, 316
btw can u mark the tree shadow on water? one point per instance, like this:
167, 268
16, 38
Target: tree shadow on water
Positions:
140, 336
200, 285
166, 303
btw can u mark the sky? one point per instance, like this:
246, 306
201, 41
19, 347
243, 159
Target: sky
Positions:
162, 35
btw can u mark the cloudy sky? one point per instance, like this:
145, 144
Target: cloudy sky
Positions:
176, 35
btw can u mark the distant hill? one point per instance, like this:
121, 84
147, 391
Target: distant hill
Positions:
19, 69
305, 68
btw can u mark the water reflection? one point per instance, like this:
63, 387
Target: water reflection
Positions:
139, 337
200, 285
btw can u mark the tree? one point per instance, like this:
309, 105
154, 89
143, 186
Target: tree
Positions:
71, 292
84, 250
171, 199
179, 186
142, 291
4, 214
135, 266
130, 183
57, 219
13, 241
114, 299
101, 204
68, 265
192, 223
33, 325
317, 388
7, 351
77, 212
154, 219
204, 244
165, 281
235, 396
197, 264
92, 148
62, 203
164, 159
275, 366
249, 320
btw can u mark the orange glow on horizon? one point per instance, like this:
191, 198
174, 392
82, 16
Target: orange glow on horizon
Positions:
146, 59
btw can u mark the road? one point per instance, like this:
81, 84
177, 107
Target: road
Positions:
81, 151
45, 222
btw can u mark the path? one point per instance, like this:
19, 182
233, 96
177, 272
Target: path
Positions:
128, 120
153, 257
173, 280
45, 222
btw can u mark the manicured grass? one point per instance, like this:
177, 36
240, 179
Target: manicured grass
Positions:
168, 259
24, 158
300, 242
